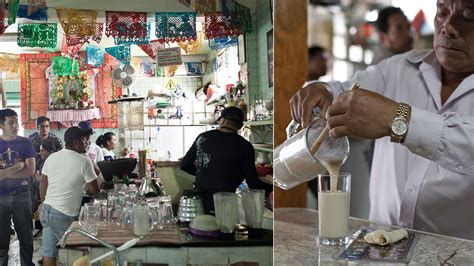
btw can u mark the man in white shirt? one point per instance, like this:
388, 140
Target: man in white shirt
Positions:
64, 176
419, 107
93, 151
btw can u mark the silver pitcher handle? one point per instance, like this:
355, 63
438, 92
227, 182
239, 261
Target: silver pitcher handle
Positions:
293, 126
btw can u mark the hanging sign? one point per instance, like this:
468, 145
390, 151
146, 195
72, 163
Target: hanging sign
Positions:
168, 57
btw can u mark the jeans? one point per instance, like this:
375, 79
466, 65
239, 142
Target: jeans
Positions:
55, 224
16, 205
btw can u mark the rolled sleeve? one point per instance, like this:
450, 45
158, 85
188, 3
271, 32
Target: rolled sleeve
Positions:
444, 139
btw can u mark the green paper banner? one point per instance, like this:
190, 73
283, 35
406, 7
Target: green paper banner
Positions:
37, 35
63, 66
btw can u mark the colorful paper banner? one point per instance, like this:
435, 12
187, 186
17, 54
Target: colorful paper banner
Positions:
204, 6
121, 53
77, 22
39, 14
94, 55
37, 35
63, 66
175, 26
221, 43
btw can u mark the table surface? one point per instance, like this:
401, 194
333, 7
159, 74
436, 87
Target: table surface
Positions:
168, 236
296, 239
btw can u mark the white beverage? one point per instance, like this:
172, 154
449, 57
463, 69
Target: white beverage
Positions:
141, 223
333, 214
333, 166
227, 214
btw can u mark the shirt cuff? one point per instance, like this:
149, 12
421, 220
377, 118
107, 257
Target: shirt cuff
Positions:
424, 133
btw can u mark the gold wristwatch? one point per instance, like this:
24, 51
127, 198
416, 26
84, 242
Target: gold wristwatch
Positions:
399, 125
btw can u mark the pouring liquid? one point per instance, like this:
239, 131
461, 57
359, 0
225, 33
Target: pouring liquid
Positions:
333, 166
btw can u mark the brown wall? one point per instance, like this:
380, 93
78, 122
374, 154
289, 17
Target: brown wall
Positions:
290, 49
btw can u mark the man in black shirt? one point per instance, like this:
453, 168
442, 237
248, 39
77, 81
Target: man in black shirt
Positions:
221, 159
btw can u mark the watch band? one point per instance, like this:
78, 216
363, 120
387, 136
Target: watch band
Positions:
402, 114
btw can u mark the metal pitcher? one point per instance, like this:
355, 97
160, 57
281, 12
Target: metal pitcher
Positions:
293, 162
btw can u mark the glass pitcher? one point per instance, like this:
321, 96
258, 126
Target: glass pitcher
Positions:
142, 219
293, 162
89, 218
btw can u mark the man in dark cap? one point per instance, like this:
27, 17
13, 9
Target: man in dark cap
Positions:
221, 159
64, 176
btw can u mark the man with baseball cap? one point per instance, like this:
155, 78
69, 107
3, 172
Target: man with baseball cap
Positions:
221, 159
93, 151
64, 176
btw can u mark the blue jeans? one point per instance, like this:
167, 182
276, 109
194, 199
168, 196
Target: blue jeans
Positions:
16, 205
55, 224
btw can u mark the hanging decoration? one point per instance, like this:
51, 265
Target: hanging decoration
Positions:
35, 5
192, 46
224, 42
37, 35
129, 26
94, 55
135, 40
9, 13
217, 25
39, 14
9, 63
70, 51
175, 26
245, 18
63, 66
204, 6
150, 48
77, 22
121, 53
81, 39
186, 3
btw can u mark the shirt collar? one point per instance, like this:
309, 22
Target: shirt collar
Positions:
417, 56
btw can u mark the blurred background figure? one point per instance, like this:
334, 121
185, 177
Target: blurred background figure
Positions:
318, 62
395, 33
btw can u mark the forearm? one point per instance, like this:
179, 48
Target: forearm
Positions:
43, 187
25, 172
10, 172
446, 139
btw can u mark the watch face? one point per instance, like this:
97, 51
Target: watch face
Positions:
399, 127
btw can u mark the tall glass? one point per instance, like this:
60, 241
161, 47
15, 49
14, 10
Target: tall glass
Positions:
227, 215
89, 218
253, 204
334, 206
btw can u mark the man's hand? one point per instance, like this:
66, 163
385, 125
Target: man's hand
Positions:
306, 99
361, 113
36, 215
18, 166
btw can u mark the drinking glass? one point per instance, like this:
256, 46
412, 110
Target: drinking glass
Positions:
333, 209
142, 220
89, 218
253, 205
165, 210
227, 216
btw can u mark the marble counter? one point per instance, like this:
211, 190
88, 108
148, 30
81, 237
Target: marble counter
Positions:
296, 240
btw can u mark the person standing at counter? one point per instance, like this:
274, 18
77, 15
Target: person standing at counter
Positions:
221, 159
107, 142
63, 177
93, 151
419, 108
17, 165
395, 34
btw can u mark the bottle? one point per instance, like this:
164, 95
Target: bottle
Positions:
243, 107
125, 179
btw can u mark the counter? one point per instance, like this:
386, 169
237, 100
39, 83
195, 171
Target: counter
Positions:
296, 239
171, 245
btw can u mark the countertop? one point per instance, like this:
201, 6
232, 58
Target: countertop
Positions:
296, 240
168, 236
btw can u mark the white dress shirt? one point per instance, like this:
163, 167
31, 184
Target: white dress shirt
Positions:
426, 183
